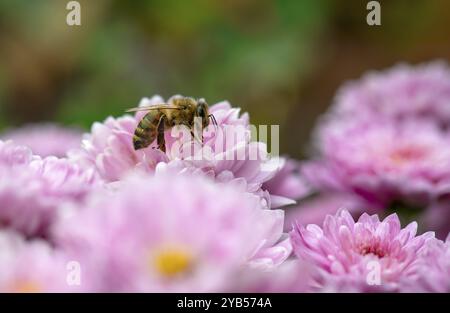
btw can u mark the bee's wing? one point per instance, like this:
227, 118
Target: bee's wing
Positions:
154, 107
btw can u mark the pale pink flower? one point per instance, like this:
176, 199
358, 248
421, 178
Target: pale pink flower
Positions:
383, 162
32, 188
169, 233
385, 139
12, 155
366, 255
109, 149
46, 139
32, 266
400, 93
433, 270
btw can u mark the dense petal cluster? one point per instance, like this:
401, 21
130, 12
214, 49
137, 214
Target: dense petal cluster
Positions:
147, 239
32, 188
433, 269
400, 93
109, 148
363, 255
46, 139
385, 140
31, 266
384, 164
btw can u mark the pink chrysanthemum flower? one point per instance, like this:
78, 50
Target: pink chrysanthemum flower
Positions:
109, 148
169, 233
32, 188
366, 255
400, 93
383, 162
46, 139
33, 266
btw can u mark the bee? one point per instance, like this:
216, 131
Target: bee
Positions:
164, 116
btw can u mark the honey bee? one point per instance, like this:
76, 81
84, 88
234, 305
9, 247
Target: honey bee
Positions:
164, 116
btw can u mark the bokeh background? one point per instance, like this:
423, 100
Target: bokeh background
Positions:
281, 61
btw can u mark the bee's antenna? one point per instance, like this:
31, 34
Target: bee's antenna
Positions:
213, 119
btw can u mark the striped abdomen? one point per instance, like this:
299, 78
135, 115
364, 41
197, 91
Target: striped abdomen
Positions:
147, 130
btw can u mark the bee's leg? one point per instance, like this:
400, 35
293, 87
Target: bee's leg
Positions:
160, 137
196, 138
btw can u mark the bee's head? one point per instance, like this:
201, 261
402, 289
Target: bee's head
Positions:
202, 112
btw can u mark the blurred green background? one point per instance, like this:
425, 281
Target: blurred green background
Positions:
281, 61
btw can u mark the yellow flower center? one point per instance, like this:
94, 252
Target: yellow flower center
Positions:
26, 287
172, 262
407, 154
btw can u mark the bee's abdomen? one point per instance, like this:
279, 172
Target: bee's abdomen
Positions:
146, 130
